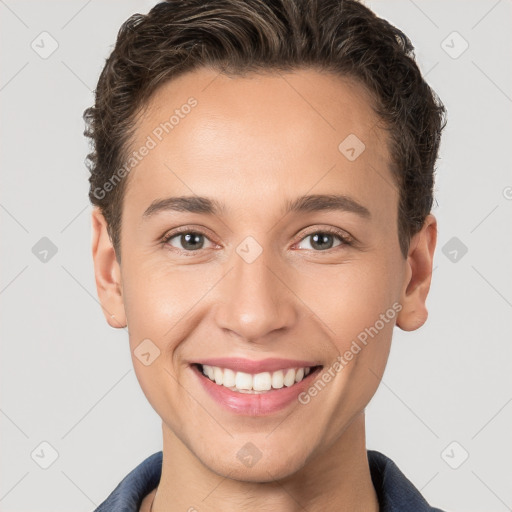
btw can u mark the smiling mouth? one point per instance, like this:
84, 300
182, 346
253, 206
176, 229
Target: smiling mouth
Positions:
258, 383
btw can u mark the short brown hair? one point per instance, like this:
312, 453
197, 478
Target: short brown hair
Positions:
239, 36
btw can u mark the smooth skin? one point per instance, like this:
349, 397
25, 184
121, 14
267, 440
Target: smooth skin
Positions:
252, 143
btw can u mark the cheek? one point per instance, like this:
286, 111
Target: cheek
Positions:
157, 297
156, 304
165, 304
351, 297
359, 305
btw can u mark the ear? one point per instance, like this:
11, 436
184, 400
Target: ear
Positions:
107, 272
418, 276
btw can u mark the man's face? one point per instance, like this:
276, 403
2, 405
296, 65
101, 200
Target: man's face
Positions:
252, 281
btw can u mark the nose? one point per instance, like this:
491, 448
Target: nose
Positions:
255, 299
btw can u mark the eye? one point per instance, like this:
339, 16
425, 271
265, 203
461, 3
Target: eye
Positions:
187, 240
322, 240
190, 241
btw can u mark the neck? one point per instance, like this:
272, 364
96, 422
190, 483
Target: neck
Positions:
337, 478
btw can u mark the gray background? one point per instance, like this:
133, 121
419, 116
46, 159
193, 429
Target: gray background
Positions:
67, 378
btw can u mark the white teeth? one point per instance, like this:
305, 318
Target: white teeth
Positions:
277, 379
209, 371
217, 373
257, 383
289, 377
262, 381
229, 378
243, 380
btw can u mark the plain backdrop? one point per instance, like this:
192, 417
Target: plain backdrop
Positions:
69, 396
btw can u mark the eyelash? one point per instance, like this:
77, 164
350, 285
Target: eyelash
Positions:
346, 240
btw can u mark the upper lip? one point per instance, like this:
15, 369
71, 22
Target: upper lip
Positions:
251, 366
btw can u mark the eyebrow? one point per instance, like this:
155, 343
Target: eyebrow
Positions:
319, 202
302, 204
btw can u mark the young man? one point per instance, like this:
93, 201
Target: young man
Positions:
262, 177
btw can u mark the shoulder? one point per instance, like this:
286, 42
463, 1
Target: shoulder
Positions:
396, 493
130, 492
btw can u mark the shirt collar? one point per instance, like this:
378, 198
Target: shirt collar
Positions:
394, 491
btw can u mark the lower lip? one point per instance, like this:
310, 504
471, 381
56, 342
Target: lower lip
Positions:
257, 404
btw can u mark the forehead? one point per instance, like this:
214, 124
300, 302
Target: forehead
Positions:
262, 134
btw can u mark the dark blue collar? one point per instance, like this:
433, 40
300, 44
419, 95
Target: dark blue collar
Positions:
395, 492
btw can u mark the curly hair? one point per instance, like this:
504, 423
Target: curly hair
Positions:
239, 36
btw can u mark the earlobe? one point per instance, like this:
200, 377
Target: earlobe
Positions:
107, 272
418, 277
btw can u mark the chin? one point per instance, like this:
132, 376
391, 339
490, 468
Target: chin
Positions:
245, 468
